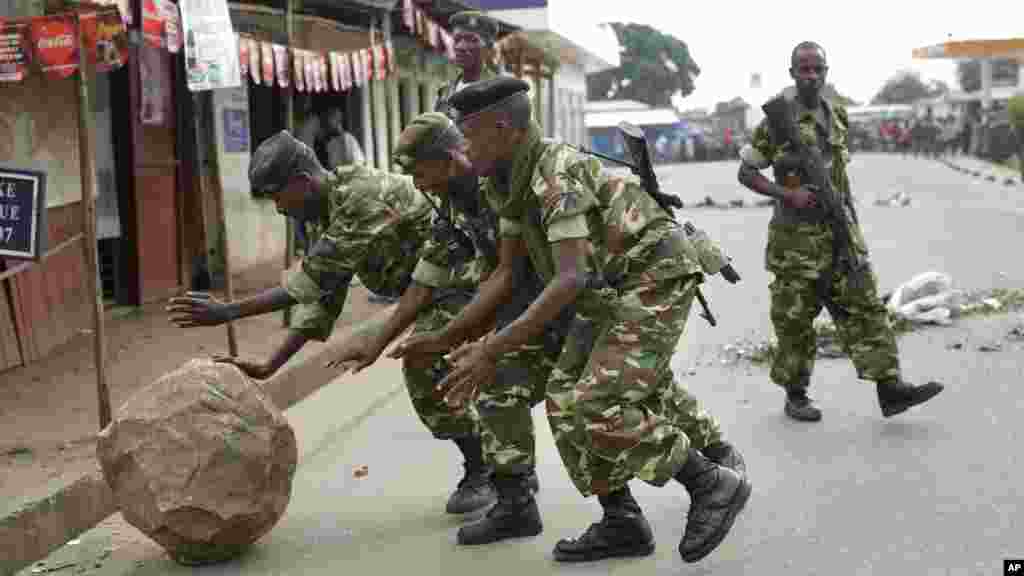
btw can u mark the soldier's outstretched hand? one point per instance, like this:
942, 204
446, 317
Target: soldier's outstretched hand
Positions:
252, 368
473, 367
356, 354
197, 309
419, 345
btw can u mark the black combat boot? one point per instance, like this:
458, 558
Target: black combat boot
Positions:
717, 495
896, 396
514, 516
622, 532
725, 454
799, 406
475, 490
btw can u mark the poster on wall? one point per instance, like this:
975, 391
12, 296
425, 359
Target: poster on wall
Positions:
14, 51
152, 80
236, 131
211, 46
22, 213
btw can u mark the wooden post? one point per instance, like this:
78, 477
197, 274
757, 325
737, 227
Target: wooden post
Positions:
289, 124
87, 165
217, 193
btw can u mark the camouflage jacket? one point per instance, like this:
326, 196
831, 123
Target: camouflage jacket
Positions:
556, 193
375, 224
831, 136
442, 263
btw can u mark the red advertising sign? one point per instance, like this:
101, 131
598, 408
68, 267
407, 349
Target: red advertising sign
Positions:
56, 44
14, 51
153, 27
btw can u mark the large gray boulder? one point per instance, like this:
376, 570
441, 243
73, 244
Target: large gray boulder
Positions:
200, 461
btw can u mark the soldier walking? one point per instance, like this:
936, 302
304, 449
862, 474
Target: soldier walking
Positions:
815, 247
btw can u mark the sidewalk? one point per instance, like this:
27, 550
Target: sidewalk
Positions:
48, 410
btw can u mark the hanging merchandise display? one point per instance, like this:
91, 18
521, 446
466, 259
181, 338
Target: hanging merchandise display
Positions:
281, 64
14, 51
255, 62
243, 56
153, 28
298, 69
267, 63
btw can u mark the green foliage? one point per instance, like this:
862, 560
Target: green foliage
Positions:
643, 74
1016, 110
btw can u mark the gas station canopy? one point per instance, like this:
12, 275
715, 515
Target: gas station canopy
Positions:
1003, 48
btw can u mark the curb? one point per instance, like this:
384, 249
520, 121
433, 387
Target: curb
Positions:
988, 176
36, 526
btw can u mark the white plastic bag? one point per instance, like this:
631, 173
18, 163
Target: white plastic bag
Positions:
927, 298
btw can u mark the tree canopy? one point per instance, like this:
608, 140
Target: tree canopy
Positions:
907, 88
654, 67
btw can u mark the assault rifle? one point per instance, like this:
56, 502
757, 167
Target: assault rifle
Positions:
809, 164
711, 259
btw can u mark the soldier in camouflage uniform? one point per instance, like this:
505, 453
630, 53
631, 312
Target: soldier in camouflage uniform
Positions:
803, 252
614, 406
367, 223
474, 34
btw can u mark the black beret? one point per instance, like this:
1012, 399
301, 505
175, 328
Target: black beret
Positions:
272, 163
474, 21
479, 96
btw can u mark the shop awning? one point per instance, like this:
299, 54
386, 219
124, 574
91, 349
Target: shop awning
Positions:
310, 33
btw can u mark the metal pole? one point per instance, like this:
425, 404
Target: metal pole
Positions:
289, 124
87, 166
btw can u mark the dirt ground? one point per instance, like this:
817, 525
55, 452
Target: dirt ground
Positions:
49, 410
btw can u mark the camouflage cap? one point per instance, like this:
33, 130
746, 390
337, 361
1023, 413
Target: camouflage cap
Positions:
480, 96
272, 163
477, 22
428, 137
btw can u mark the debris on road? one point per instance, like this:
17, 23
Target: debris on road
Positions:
762, 351
361, 471
927, 298
990, 347
897, 200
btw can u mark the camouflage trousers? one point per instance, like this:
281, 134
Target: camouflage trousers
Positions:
615, 408
798, 255
506, 425
504, 406
423, 374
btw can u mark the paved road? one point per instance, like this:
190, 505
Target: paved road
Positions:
935, 491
